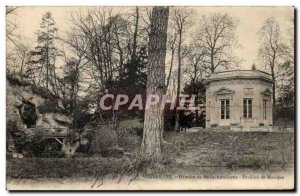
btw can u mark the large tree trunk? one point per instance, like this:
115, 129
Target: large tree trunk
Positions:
154, 116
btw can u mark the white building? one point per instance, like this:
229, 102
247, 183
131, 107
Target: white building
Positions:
239, 98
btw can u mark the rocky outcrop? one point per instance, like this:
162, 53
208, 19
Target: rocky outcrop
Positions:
24, 119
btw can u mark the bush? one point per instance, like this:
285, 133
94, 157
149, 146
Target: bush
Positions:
104, 136
128, 140
286, 114
108, 137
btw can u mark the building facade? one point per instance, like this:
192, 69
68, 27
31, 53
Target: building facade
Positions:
239, 98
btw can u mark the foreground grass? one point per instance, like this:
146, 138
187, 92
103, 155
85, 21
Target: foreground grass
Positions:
186, 153
232, 149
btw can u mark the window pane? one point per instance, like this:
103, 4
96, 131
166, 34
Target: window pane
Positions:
227, 109
227, 116
249, 108
222, 109
265, 109
227, 103
245, 108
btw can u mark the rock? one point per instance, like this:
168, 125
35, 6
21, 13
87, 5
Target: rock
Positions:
20, 156
53, 120
25, 124
10, 145
15, 155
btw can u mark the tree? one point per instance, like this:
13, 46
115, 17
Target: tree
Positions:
115, 52
217, 38
71, 83
22, 57
11, 24
154, 116
109, 45
145, 24
286, 85
73, 71
197, 87
180, 18
134, 76
171, 45
15, 47
196, 72
272, 50
44, 56
96, 27
286, 89
17, 59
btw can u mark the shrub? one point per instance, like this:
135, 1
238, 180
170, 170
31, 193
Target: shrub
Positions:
104, 136
286, 114
128, 140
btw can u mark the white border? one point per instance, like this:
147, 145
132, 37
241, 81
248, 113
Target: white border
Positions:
154, 2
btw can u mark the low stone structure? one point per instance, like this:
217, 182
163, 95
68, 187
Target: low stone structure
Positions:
239, 99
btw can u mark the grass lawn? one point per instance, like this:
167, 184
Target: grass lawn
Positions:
231, 149
184, 153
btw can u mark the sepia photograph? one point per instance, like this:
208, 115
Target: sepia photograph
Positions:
149, 98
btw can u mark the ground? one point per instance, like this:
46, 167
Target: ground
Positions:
184, 153
231, 149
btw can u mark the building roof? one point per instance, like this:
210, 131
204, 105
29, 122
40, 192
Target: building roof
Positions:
239, 74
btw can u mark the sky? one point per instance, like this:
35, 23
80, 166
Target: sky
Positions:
250, 21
